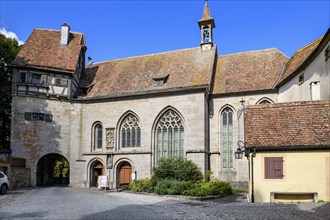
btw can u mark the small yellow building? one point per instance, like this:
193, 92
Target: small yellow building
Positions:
288, 147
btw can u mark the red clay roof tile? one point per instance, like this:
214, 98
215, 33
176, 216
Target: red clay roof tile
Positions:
248, 71
136, 75
43, 49
297, 124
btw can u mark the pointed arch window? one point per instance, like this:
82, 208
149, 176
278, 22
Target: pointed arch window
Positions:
130, 132
227, 138
97, 135
169, 136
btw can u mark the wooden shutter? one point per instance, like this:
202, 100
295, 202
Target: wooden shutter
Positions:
274, 168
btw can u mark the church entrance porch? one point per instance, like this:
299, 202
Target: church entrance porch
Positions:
53, 169
124, 174
97, 170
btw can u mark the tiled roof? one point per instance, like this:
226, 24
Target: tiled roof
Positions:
297, 124
299, 58
181, 69
43, 50
248, 71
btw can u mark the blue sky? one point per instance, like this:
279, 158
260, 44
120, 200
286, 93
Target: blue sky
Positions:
119, 29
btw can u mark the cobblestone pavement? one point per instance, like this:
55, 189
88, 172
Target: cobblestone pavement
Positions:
69, 203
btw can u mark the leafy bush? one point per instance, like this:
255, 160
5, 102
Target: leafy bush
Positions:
176, 169
214, 187
172, 187
142, 185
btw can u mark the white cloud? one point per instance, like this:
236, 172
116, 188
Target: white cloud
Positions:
10, 34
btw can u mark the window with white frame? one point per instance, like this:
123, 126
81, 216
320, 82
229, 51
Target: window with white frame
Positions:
227, 138
169, 136
130, 131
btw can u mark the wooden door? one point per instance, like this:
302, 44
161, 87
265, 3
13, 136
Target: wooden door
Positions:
96, 172
125, 172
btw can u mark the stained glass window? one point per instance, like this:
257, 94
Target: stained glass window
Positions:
130, 132
227, 138
170, 136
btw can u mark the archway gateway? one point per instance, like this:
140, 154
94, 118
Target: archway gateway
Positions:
53, 169
97, 169
125, 173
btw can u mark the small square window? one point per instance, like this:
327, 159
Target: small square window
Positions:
48, 118
28, 116
58, 81
41, 116
36, 79
35, 116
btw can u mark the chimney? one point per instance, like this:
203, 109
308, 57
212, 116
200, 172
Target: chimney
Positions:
65, 33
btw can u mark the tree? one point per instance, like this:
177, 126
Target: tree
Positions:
8, 50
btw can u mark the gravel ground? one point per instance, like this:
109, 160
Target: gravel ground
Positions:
69, 203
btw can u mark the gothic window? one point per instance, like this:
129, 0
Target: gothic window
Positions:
130, 132
227, 138
263, 102
169, 136
97, 135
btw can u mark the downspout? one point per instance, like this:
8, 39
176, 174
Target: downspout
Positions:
252, 175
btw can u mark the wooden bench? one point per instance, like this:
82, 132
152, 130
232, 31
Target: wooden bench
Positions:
314, 194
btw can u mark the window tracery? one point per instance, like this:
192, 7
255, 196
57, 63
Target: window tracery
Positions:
227, 138
130, 132
169, 136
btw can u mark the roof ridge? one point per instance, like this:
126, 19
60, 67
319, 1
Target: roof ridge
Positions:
44, 29
252, 51
310, 43
146, 55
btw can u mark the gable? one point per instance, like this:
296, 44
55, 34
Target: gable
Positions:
43, 50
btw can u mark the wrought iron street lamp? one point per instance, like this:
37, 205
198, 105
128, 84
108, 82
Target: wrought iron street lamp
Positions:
240, 150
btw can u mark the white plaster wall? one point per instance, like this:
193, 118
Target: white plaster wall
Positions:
318, 70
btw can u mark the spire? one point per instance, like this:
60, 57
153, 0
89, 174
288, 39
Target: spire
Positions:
206, 12
206, 16
206, 24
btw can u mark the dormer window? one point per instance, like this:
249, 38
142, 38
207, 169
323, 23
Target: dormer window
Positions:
160, 80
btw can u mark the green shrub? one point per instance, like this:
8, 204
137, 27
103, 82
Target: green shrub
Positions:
214, 187
176, 169
172, 187
142, 185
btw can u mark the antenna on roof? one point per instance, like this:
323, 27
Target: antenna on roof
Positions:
90, 61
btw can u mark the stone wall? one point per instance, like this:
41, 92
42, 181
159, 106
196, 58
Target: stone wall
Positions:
239, 173
19, 177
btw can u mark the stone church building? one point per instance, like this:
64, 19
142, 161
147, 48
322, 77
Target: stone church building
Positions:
120, 117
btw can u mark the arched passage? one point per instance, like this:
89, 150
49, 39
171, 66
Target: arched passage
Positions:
124, 173
53, 169
96, 170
